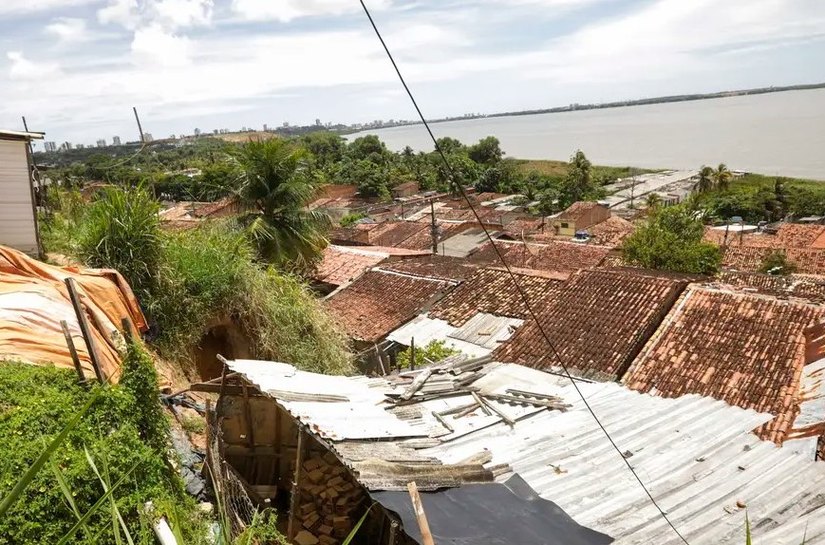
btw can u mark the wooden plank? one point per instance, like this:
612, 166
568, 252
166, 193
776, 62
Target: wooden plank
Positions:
417, 383
221, 390
216, 388
443, 421
481, 404
296, 486
85, 330
420, 515
507, 419
73, 351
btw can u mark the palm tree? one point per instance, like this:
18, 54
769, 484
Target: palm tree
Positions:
705, 181
275, 184
722, 176
653, 201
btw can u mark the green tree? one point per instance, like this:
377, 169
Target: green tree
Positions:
722, 177
672, 240
449, 145
276, 185
653, 201
369, 148
578, 185
704, 182
327, 148
486, 152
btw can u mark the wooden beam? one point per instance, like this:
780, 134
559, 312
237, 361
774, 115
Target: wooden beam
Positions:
296, 484
73, 351
420, 515
417, 383
216, 388
393, 532
84, 327
219, 406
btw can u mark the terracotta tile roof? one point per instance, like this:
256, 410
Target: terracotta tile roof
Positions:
807, 260
342, 264
550, 256
492, 291
406, 185
393, 233
486, 214
379, 302
337, 191
747, 350
423, 239
802, 286
610, 232
488, 196
224, 206
599, 321
578, 210
789, 235
441, 267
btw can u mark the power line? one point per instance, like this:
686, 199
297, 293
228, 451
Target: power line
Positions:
520, 290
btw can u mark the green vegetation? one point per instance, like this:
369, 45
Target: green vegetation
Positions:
208, 275
121, 230
111, 448
434, 352
777, 263
276, 184
350, 219
762, 198
671, 240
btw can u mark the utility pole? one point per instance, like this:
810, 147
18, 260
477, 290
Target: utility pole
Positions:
632, 186
434, 229
140, 129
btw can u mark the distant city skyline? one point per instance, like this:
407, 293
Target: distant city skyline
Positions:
75, 68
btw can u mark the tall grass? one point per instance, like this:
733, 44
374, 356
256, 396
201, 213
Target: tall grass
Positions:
121, 230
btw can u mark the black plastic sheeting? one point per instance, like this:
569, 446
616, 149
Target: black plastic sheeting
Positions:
509, 513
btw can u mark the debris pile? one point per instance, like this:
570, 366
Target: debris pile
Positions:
329, 499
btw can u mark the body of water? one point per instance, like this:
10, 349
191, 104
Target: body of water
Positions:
775, 134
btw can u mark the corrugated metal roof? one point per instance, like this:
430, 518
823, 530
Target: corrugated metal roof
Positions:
698, 456
425, 330
487, 330
21, 135
809, 425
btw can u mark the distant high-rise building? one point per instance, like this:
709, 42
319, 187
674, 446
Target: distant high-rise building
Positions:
266, 128
101, 143
65, 146
147, 137
115, 140
50, 146
214, 131
197, 132
286, 124
317, 122
80, 146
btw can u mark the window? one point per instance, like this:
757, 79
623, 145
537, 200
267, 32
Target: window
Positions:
565, 225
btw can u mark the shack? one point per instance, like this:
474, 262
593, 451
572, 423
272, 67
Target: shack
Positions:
18, 210
500, 453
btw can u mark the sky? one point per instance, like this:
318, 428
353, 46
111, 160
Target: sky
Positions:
75, 68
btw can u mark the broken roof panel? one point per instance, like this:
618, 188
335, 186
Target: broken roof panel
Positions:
380, 301
493, 291
487, 330
746, 258
748, 350
696, 455
598, 321
802, 286
425, 330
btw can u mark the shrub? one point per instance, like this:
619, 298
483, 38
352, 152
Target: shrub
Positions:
36, 404
435, 352
777, 263
121, 231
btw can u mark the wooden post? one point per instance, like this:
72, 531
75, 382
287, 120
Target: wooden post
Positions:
219, 405
412, 353
434, 229
393, 532
140, 129
73, 351
420, 515
84, 327
250, 433
296, 484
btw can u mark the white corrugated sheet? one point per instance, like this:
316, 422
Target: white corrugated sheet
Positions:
697, 455
810, 423
425, 330
487, 330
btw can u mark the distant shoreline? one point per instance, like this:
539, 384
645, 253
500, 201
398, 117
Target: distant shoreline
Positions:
600, 106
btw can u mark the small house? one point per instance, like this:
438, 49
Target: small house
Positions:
18, 209
579, 216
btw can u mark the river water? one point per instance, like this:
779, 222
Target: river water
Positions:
775, 134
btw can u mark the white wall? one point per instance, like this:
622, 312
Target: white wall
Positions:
17, 222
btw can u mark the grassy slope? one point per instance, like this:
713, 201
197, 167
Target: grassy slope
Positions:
547, 167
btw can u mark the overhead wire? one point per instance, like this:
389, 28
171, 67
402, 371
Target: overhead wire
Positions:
518, 286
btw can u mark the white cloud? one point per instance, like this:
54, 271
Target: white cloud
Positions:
287, 10
22, 7
153, 46
184, 13
125, 13
24, 69
68, 29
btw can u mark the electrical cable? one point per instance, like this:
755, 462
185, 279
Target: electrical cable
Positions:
520, 290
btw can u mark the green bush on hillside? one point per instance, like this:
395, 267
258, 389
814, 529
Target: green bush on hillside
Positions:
37, 402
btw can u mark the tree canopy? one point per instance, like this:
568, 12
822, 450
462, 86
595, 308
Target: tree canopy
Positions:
671, 240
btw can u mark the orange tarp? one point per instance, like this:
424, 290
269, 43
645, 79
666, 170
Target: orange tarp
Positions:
34, 299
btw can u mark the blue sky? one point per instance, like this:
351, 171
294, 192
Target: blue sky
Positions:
75, 68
